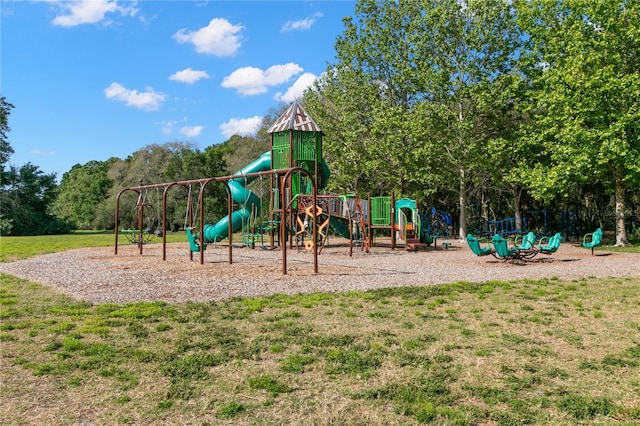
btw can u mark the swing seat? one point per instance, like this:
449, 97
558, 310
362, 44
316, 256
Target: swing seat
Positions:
192, 237
133, 235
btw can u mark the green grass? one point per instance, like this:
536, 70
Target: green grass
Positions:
14, 248
608, 244
635, 248
534, 352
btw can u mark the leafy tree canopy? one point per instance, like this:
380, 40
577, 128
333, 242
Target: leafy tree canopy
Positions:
5, 148
584, 75
408, 104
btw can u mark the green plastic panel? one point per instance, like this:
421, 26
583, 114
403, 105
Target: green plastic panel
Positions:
381, 211
280, 157
304, 145
280, 139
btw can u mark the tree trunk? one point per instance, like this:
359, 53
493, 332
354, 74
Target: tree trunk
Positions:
621, 230
462, 229
517, 195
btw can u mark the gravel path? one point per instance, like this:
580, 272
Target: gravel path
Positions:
97, 275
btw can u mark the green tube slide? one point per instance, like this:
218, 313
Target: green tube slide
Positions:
241, 195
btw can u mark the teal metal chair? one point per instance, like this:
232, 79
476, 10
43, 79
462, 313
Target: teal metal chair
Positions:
502, 249
594, 240
552, 244
476, 248
526, 245
528, 241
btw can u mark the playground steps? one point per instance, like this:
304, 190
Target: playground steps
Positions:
414, 244
411, 240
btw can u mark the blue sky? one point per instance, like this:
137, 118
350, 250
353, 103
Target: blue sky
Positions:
96, 79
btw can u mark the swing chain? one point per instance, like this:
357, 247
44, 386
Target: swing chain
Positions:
189, 204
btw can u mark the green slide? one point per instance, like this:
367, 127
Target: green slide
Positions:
241, 195
340, 226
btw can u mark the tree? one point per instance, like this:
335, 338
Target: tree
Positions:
81, 191
342, 104
26, 193
584, 76
239, 151
472, 48
412, 88
368, 103
5, 152
26, 201
169, 162
189, 163
5, 148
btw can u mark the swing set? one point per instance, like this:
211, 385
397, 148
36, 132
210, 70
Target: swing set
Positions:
258, 225
137, 233
282, 176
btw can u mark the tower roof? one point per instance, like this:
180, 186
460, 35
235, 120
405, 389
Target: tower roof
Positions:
294, 118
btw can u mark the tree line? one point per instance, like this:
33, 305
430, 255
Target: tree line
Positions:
482, 108
510, 106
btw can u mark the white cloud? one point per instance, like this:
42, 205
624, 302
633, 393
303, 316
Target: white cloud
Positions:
297, 89
241, 126
191, 131
78, 12
250, 81
149, 100
302, 24
219, 38
188, 76
43, 153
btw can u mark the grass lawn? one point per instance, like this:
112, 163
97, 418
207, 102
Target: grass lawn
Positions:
13, 248
538, 352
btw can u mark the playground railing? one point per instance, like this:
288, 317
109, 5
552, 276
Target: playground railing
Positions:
508, 226
380, 211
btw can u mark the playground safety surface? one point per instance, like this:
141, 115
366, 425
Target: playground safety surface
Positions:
98, 275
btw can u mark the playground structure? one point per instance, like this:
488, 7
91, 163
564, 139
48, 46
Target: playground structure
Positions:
138, 233
522, 247
359, 220
295, 162
297, 213
200, 238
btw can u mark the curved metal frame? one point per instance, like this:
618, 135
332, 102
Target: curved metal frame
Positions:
224, 180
